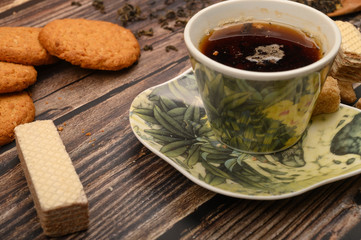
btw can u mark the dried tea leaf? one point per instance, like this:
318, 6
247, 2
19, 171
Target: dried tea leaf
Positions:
99, 5
148, 33
171, 48
171, 15
148, 48
180, 23
75, 3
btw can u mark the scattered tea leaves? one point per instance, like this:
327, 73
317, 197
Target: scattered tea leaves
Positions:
130, 13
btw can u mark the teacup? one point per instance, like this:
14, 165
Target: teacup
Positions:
260, 112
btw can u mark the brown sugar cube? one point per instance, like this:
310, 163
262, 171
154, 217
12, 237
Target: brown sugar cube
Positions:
329, 99
347, 92
57, 192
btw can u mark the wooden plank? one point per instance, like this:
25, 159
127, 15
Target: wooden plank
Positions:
8, 4
134, 194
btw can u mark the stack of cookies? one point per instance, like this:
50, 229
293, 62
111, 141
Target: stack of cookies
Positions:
348, 61
344, 74
57, 192
347, 66
85, 43
20, 51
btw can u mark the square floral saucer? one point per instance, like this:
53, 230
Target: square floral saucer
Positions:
170, 120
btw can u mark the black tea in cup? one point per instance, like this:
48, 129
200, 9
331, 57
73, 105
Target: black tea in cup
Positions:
261, 47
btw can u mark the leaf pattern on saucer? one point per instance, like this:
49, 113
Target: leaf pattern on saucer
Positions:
171, 121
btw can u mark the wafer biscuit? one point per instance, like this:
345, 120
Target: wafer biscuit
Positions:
350, 39
15, 109
58, 194
329, 99
90, 43
347, 64
16, 77
21, 45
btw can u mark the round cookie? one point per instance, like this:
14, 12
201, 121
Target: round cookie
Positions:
90, 43
15, 109
16, 77
21, 45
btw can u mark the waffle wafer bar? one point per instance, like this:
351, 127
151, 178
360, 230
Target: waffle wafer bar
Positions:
348, 61
58, 194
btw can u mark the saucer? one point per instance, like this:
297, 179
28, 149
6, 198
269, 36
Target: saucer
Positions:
169, 119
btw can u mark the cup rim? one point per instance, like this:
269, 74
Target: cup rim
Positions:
253, 75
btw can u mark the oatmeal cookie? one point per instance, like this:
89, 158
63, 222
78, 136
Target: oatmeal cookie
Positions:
90, 44
15, 109
16, 77
21, 45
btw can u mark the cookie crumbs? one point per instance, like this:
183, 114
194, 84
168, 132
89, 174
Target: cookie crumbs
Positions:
143, 151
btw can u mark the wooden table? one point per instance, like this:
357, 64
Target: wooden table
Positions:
132, 193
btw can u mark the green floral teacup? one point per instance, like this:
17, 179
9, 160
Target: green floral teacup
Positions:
260, 112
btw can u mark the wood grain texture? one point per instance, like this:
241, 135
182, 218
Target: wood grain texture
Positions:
133, 194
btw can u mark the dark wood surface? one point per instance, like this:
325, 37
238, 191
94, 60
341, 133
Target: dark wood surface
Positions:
132, 193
